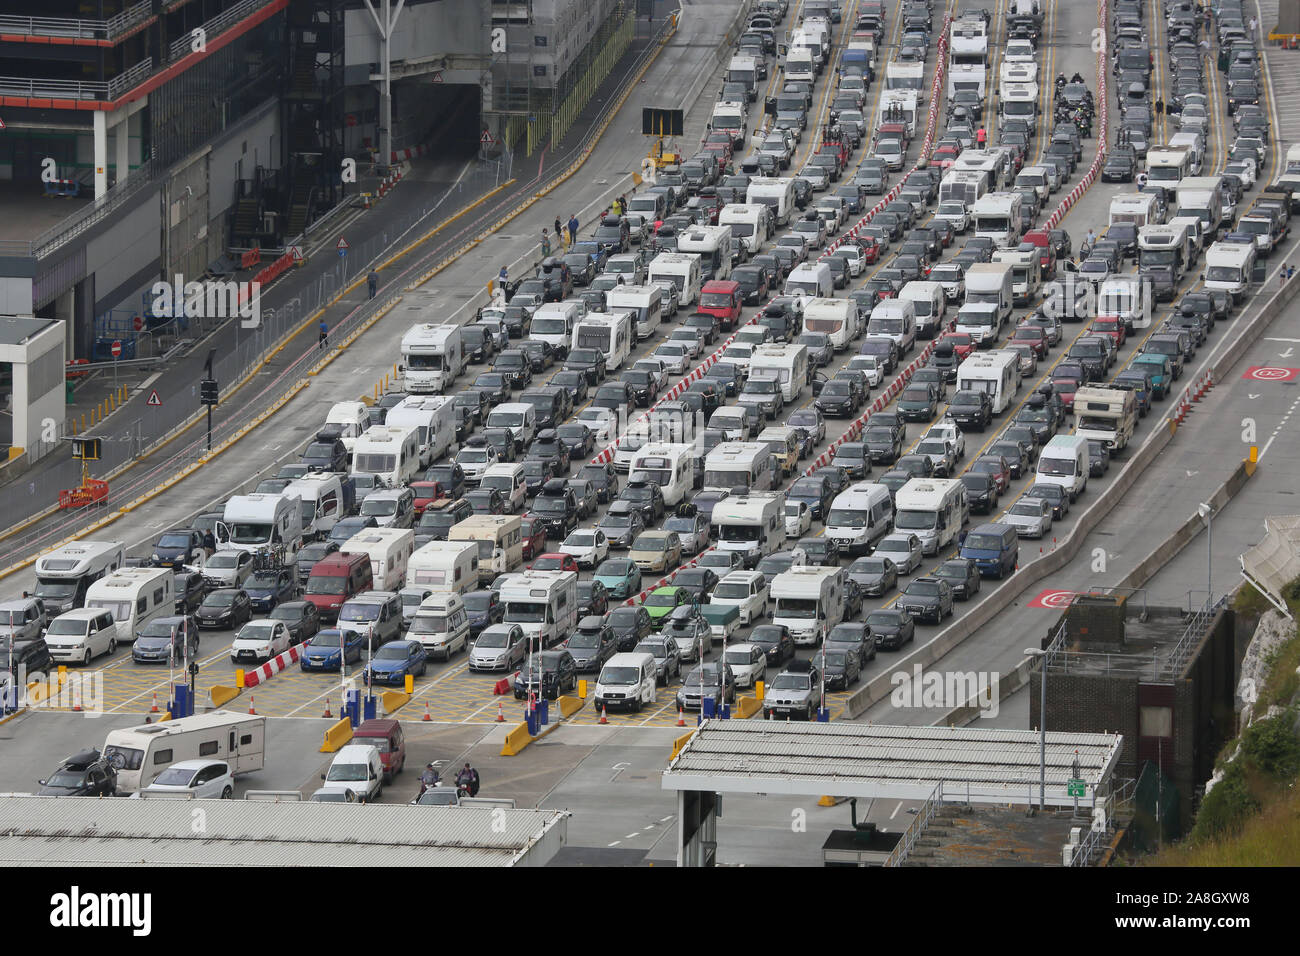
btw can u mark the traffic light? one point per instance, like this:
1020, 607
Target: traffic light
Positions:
208, 392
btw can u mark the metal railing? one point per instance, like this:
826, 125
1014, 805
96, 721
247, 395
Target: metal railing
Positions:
77, 28
920, 823
28, 86
1090, 846
183, 45
1196, 628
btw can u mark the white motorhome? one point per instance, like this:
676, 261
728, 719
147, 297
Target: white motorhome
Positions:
389, 452
140, 754
352, 419
712, 245
1168, 167
499, 539
682, 270
543, 603
809, 601
1167, 248
740, 467
1194, 144
669, 465
929, 303
777, 193
321, 502
800, 65
933, 509
992, 283
1228, 266
788, 364
1105, 414
1018, 101
389, 551
64, 574
837, 318
751, 524
1064, 461
899, 106
963, 185
859, 516
134, 596
645, 302
1202, 197
612, 333
748, 222
905, 75
255, 522
432, 357
1026, 273
1141, 209
444, 566
997, 216
996, 373
434, 419
729, 117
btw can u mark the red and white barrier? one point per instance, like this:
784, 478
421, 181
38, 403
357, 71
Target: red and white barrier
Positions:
272, 667
409, 153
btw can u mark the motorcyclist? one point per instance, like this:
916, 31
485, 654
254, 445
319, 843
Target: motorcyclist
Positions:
1077, 78
428, 779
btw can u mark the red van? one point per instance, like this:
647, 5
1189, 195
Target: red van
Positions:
721, 298
1046, 251
335, 580
385, 736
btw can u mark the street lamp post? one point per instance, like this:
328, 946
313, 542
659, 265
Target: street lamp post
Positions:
1042, 726
1207, 515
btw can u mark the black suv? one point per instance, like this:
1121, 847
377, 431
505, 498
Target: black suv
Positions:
556, 507
85, 774
971, 409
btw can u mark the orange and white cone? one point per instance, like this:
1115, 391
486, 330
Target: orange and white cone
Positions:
250, 705
501, 714
154, 708
427, 715
681, 719
603, 718
327, 715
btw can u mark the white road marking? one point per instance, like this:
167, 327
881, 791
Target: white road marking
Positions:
896, 809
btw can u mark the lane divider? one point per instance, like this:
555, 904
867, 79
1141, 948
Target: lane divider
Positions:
275, 665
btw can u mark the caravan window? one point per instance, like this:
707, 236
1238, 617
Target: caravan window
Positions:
208, 749
371, 464
162, 756
121, 610
141, 605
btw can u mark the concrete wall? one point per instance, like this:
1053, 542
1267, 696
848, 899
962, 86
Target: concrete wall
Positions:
114, 256
38, 392
423, 30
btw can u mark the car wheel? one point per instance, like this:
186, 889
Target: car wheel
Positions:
112, 645
228, 793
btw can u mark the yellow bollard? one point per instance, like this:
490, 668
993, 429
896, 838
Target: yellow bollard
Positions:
410, 683
83, 422
758, 689
1254, 454
239, 678
376, 393
582, 688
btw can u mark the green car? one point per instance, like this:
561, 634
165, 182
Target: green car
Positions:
1158, 366
621, 577
663, 601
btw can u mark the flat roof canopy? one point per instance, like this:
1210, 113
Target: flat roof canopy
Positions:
877, 760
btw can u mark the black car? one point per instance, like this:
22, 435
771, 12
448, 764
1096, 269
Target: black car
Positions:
189, 588
1056, 494
621, 524
550, 673
591, 362
821, 550
326, 453
776, 642
593, 598
85, 774
175, 549
644, 385
838, 398
962, 575
876, 575
302, 618
577, 438
646, 497
549, 445
1098, 459
971, 409
603, 478
927, 598
754, 283
592, 644
891, 627
883, 442
700, 582
225, 608
270, 587
541, 354
982, 492
816, 491
631, 624
842, 668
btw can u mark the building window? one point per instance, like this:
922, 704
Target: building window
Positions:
539, 41
1155, 722
539, 71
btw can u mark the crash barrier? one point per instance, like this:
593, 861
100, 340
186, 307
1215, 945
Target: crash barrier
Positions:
337, 736
606, 454
570, 705
222, 694
516, 741
394, 700
679, 743
747, 707
272, 667
1008, 684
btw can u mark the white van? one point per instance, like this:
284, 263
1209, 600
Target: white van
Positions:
521, 419
441, 625
320, 497
753, 525
788, 364
933, 509
554, 323
837, 318
389, 551
643, 301
434, 419
78, 636
444, 566
140, 754
929, 305
352, 419
812, 279
507, 478
808, 601
357, 769
1064, 462
682, 269
860, 515
1228, 266
134, 596
894, 319
627, 680
389, 452
670, 466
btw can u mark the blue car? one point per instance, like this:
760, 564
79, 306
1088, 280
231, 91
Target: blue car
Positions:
621, 577
327, 649
268, 589
484, 609
392, 662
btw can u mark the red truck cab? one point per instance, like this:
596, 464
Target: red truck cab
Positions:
1046, 251
721, 298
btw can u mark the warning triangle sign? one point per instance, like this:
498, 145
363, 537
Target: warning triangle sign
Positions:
153, 397
295, 253
2, 124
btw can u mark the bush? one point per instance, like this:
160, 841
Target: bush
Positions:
1272, 748
1225, 808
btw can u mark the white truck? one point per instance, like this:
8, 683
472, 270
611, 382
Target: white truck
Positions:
543, 603
432, 357
809, 601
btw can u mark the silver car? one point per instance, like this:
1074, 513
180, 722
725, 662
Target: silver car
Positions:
690, 633
501, 647
903, 548
794, 692
1031, 517
748, 663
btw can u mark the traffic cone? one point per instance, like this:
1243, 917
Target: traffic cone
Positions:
76, 699
327, 715
427, 715
154, 708
603, 718
250, 705
501, 714
681, 720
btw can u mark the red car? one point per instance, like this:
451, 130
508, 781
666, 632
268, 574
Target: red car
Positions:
961, 342
1046, 251
1066, 380
720, 143
1111, 325
534, 537
870, 248
551, 561
426, 492
945, 156
1034, 336
721, 298
996, 467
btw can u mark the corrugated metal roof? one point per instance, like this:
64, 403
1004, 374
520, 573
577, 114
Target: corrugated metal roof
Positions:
113, 831
849, 759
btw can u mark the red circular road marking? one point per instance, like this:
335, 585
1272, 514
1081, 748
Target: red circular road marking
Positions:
1053, 599
1270, 373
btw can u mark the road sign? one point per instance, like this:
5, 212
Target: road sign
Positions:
661, 122
1270, 373
295, 253
117, 348
1076, 788
137, 323
2, 124
86, 449
153, 397
342, 246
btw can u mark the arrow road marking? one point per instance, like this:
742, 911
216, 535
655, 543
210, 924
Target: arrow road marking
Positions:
1251, 396
1287, 353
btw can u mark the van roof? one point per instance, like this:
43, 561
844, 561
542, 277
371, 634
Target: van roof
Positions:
376, 727
355, 753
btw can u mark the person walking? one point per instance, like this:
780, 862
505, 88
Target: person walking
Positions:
372, 282
324, 335
1160, 107
546, 243
1254, 25
559, 231
573, 228
980, 136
